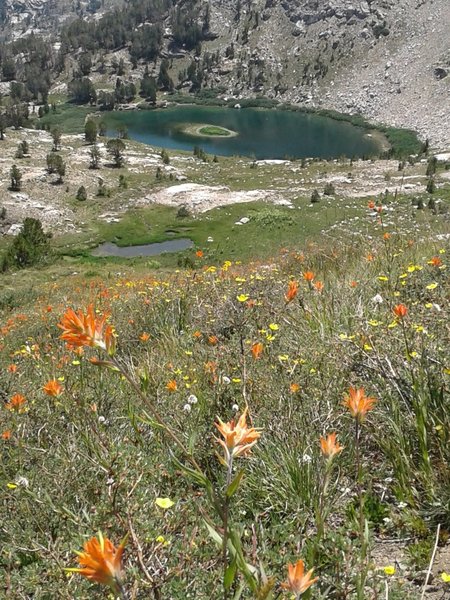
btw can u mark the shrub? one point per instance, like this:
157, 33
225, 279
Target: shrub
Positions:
200, 153
102, 190
116, 149
123, 182
329, 189
315, 197
90, 131
431, 166
29, 247
431, 186
16, 179
81, 193
183, 212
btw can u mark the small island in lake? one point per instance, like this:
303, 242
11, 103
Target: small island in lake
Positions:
206, 130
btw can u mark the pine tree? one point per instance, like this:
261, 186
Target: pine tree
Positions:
16, 179
94, 153
29, 247
116, 149
90, 131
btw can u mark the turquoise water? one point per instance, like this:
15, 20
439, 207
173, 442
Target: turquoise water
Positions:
262, 134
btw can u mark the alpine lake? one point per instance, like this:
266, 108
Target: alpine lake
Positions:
252, 132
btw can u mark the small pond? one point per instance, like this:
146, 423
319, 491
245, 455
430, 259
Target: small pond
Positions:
110, 249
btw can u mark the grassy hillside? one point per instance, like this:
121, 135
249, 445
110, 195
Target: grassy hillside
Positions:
103, 448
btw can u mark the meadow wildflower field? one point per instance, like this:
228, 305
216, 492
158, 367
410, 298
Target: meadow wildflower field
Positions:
265, 430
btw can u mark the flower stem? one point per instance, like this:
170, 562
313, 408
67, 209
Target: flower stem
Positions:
359, 479
226, 507
155, 414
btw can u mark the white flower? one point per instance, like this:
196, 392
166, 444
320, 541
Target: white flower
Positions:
192, 399
402, 505
187, 408
235, 407
226, 380
377, 299
306, 458
437, 308
23, 481
101, 419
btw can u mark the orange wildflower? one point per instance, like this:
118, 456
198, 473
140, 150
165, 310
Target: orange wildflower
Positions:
386, 236
298, 582
12, 368
6, 435
197, 334
53, 388
101, 562
358, 403
294, 388
16, 403
308, 276
257, 349
329, 446
369, 257
81, 329
238, 438
144, 337
199, 254
353, 284
210, 366
292, 291
435, 261
172, 385
318, 286
213, 340
400, 311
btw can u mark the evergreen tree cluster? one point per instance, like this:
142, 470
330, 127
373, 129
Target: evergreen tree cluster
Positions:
30, 62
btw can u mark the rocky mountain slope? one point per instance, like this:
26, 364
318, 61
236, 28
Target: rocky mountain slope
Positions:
386, 59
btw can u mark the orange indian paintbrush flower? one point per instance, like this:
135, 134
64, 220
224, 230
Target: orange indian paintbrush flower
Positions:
292, 291
101, 562
400, 311
298, 582
172, 385
308, 276
435, 261
318, 285
81, 329
358, 403
257, 350
238, 438
53, 388
329, 446
16, 403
